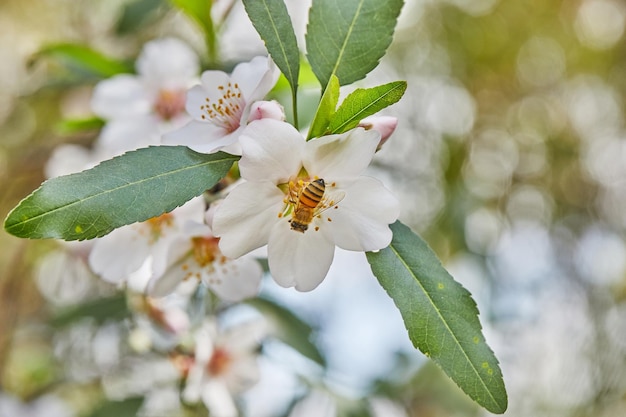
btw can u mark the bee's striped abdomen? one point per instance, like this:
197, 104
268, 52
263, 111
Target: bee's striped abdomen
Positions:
312, 194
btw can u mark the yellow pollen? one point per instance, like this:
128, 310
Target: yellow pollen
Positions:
156, 225
205, 250
227, 110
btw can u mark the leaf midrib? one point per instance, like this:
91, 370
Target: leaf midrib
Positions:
406, 266
347, 38
292, 80
131, 184
356, 115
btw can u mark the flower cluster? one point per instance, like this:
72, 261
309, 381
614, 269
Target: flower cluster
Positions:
300, 199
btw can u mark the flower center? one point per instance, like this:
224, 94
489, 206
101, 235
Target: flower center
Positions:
169, 104
157, 226
219, 362
206, 251
226, 111
306, 199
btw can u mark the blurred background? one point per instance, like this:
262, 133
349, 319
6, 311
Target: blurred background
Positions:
509, 159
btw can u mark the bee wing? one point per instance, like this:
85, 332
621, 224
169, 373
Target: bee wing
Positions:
330, 200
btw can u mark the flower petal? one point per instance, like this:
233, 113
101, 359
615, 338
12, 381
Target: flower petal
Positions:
266, 110
244, 219
299, 259
118, 254
362, 221
167, 63
271, 151
121, 96
200, 136
340, 156
235, 279
217, 398
255, 78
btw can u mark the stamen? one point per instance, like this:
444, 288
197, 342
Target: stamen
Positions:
226, 112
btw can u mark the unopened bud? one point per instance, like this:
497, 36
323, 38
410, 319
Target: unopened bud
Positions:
266, 110
385, 125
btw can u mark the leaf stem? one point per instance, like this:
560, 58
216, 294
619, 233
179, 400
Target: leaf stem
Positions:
294, 99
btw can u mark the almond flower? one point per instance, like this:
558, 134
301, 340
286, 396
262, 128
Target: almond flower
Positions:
304, 198
127, 250
224, 365
140, 108
195, 254
222, 105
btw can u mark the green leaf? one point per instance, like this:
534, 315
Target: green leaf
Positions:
137, 14
271, 20
124, 408
364, 102
130, 188
100, 309
84, 58
72, 126
326, 109
289, 328
348, 37
200, 12
440, 316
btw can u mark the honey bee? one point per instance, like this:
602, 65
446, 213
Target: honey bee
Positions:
310, 201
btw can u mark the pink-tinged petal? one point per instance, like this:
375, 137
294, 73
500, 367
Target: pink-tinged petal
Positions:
299, 260
235, 279
217, 398
244, 219
266, 110
167, 63
270, 151
256, 78
362, 221
119, 254
199, 136
385, 125
122, 96
341, 156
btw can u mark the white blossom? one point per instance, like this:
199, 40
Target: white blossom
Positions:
222, 105
224, 365
352, 212
139, 108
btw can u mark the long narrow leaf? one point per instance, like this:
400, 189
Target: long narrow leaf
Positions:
365, 102
271, 20
132, 187
84, 58
348, 37
325, 110
289, 328
440, 316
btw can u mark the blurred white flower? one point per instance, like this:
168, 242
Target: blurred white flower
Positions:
224, 365
195, 254
290, 184
126, 250
222, 105
139, 108
44, 406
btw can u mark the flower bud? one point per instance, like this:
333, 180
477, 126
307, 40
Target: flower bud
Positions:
385, 125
